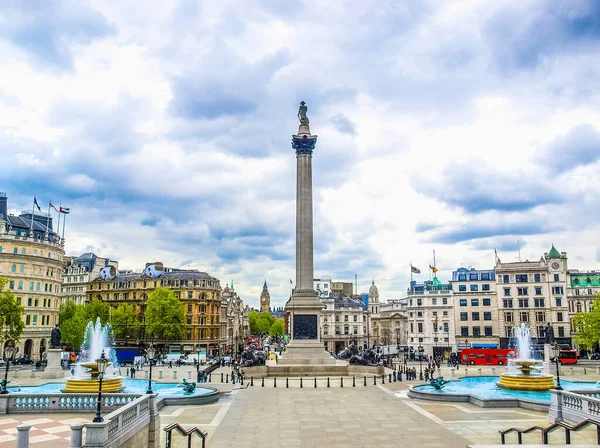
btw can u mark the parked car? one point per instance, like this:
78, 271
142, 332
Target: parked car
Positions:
24, 360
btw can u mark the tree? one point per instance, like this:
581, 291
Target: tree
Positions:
11, 322
260, 323
277, 328
124, 321
165, 317
72, 322
94, 309
588, 326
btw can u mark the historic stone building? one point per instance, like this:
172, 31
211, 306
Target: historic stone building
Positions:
343, 322
79, 272
392, 323
32, 258
199, 293
323, 286
582, 288
265, 298
430, 317
533, 293
237, 325
475, 308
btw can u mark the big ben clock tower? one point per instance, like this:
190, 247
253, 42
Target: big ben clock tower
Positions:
265, 298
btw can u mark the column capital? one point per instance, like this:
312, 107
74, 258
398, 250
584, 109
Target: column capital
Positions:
304, 144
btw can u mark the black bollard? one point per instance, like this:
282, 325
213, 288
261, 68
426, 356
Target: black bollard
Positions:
390, 378
374, 380
251, 381
300, 382
233, 380
353, 381
287, 383
584, 371
227, 378
365, 381
327, 381
342, 381
382, 379
262, 384
275, 382
210, 377
315, 382
221, 376
242, 380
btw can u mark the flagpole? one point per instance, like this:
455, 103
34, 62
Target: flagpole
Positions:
63, 232
58, 225
48, 219
32, 212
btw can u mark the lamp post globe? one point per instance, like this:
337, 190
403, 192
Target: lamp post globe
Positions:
556, 353
150, 354
101, 364
9, 351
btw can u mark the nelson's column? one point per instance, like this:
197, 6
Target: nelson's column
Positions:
304, 307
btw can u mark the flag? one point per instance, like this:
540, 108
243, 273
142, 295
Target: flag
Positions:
52, 205
35, 202
433, 268
291, 282
414, 270
65, 210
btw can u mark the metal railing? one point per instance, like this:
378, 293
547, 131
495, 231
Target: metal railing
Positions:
545, 431
575, 406
189, 433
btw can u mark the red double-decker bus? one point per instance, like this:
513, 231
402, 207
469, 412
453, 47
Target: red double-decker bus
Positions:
567, 357
485, 356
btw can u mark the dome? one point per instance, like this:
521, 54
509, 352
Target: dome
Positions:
373, 291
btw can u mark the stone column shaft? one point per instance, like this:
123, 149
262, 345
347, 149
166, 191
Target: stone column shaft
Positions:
304, 224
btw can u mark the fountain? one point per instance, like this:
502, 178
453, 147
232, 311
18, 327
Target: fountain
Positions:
96, 341
528, 376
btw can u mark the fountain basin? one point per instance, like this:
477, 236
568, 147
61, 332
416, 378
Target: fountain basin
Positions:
537, 383
85, 385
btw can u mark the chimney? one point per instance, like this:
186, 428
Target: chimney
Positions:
3, 206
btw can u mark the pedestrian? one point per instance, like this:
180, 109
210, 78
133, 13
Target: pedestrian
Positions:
170, 364
72, 371
400, 375
132, 371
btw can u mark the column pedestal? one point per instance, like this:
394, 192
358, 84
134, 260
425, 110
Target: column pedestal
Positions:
53, 368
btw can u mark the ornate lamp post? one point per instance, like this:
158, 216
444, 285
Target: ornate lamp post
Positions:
421, 350
9, 351
198, 363
150, 353
102, 363
556, 352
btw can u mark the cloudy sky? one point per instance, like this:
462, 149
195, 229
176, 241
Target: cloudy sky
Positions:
457, 126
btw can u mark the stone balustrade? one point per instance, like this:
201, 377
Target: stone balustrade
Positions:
574, 406
19, 403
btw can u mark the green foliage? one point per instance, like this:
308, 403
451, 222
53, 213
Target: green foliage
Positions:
165, 316
260, 323
124, 321
11, 322
72, 321
588, 326
96, 308
277, 328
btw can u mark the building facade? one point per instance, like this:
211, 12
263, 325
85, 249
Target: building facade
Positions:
342, 288
237, 323
475, 308
392, 323
199, 293
80, 271
430, 317
582, 289
32, 258
265, 298
343, 323
534, 293
323, 286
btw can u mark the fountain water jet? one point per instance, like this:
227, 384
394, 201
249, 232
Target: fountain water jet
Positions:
529, 377
96, 340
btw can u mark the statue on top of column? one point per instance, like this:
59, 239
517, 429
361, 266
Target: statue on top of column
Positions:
302, 113
549, 334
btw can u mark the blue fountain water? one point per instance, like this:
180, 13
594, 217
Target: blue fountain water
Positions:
485, 387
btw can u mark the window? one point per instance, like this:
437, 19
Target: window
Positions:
541, 332
485, 276
472, 276
485, 287
507, 303
43, 320
523, 303
445, 301
15, 251
13, 268
559, 317
31, 286
475, 315
29, 301
487, 315
355, 329
419, 313
578, 304
337, 317
27, 318
434, 301
556, 278
189, 307
539, 303
412, 328
474, 288
464, 331
462, 288
536, 277
474, 302
540, 316
21, 269
345, 318
521, 291
325, 330
445, 313
420, 327
561, 332
476, 331
521, 278
507, 291
505, 278
464, 317
35, 319
20, 284
37, 286
538, 290
463, 302
355, 318
189, 294
487, 331
558, 302
487, 302
44, 303
419, 302
11, 284
524, 316
462, 277
557, 290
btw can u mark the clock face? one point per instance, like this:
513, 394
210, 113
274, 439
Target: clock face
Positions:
263, 300
555, 265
